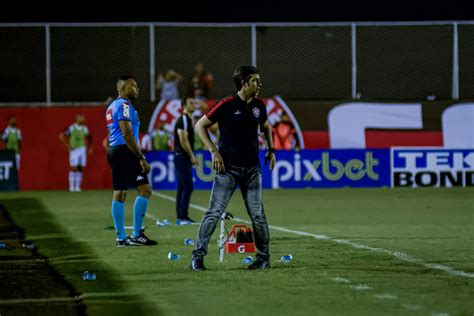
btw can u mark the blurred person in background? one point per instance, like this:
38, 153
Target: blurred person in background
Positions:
198, 144
284, 134
200, 83
12, 138
160, 137
184, 160
201, 108
167, 85
78, 141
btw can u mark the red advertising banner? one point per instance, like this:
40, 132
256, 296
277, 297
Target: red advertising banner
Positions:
317, 124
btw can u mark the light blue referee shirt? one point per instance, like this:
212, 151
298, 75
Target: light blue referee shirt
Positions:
121, 109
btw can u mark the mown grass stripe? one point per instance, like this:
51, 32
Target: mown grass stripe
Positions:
396, 254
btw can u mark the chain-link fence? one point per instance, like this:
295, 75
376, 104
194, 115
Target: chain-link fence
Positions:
405, 62
61, 63
466, 61
22, 64
219, 49
305, 62
86, 61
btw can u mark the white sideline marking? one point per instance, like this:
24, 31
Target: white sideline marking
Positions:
360, 287
386, 296
397, 254
439, 314
340, 280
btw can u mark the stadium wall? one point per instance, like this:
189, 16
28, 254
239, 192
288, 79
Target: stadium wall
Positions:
44, 164
45, 160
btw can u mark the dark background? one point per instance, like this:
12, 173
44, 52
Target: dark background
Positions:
394, 63
235, 11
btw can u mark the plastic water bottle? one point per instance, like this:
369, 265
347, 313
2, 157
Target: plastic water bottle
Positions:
286, 258
3, 245
28, 246
162, 223
173, 256
188, 241
247, 260
88, 276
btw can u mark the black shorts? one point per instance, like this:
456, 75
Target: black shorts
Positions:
126, 169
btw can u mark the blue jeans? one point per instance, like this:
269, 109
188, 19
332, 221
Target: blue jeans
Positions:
250, 182
184, 177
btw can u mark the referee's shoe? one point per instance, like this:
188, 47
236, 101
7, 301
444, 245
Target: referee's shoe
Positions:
141, 240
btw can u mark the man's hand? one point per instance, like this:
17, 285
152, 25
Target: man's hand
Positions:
217, 162
194, 161
269, 156
90, 151
145, 166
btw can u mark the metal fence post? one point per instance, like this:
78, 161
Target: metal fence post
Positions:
254, 45
354, 61
152, 63
455, 62
48, 65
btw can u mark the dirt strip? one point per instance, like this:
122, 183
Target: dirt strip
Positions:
28, 281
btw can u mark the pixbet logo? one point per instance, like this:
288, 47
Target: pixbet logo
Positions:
164, 171
433, 167
161, 171
324, 168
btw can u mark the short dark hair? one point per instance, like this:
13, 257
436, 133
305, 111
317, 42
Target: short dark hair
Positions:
121, 81
242, 74
125, 77
184, 101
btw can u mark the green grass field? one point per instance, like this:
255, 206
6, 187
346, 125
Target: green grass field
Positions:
397, 252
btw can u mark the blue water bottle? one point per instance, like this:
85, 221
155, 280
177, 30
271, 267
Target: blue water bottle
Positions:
88, 276
286, 258
173, 256
2, 245
247, 260
188, 241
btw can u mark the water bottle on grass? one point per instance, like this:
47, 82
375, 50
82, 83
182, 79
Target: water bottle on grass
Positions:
247, 260
173, 256
286, 258
188, 241
88, 276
